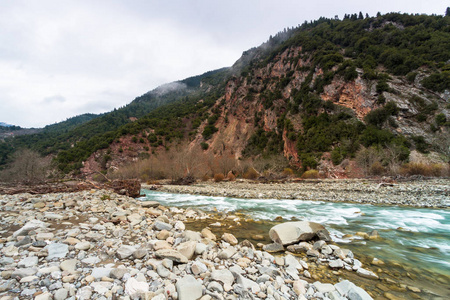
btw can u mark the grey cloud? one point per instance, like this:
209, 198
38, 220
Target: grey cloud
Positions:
55, 98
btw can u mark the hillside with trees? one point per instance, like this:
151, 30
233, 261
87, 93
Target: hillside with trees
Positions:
330, 97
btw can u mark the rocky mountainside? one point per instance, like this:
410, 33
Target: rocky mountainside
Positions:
319, 94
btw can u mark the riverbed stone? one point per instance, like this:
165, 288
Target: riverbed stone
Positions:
57, 250
366, 273
206, 233
28, 262
227, 253
229, 238
158, 225
149, 204
172, 255
188, 288
292, 232
135, 289
125, 251
273, 247
224, 276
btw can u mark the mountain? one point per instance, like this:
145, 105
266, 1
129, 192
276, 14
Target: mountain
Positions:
322, 94
3, 124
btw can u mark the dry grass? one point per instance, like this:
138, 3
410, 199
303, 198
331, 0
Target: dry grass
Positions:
251, 173
436, 170
219, 177
311, 174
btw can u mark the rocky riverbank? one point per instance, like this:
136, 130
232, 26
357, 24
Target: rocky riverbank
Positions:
100, 245
421, 193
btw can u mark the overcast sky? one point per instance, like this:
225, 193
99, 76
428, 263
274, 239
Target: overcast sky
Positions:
63, 58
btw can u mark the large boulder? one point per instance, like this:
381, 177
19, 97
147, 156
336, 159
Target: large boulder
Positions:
293, 232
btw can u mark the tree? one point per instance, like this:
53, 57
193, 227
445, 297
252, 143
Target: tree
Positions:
447, 12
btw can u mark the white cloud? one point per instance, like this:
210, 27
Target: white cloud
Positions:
97, 55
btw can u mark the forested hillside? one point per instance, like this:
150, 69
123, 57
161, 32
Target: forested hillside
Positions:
370, 89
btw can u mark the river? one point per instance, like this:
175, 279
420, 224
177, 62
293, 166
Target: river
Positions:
417, 239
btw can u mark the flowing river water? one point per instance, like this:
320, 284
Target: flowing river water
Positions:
414, 243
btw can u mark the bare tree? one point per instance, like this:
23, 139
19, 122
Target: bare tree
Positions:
27, 167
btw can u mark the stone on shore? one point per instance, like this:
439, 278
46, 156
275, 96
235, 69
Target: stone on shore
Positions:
188, 288
293, 232
172, 255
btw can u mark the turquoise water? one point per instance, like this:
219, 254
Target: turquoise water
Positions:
415, 237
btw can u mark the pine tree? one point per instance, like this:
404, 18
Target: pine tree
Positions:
360, 16
447, 12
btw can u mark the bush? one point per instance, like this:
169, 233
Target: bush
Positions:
251, 174
204, 146
231, 176
205, 177
288, 172
415, 169
440, 119
219, 177
311, 174
377, 168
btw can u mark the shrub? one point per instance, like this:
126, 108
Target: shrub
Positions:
205, 177
311, 174
251, 173
288, 172
440, 119
377, 168
415, 169
231, 176
204, 146
219, 177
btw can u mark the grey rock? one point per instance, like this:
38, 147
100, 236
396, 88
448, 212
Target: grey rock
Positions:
162, 271
357, 293
60, 294
6, 261
69, 265
125, 251
247, 283
366, 273
140, 253
118, 273
188, 288
101, 287
324, 287
190, 235
152, 204
30, 226
274, 247
337, 263
214, 286
227, 253
85, 245
158, 225
187, 249
57, 250
84, 293
101, 272
198, 268
292, 232
291, 261
225, 276
39, 244
25, 241
172, 255
94, 236
21, 273
27, 292
135, 289
28, 262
